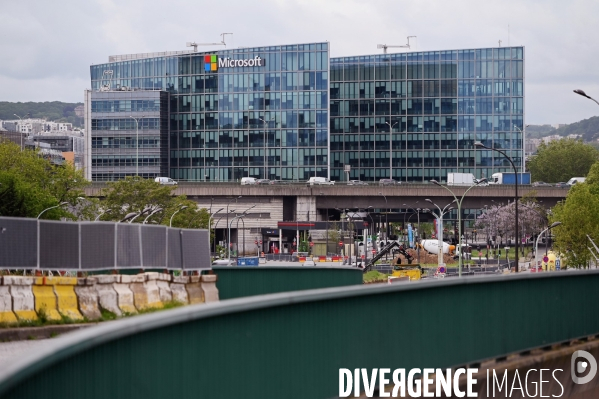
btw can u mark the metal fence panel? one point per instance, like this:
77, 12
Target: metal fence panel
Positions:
98, 245
153, 243
128, 248
195, 247
174, 249
59, 245
18, 243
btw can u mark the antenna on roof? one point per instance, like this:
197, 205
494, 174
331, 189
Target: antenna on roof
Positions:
195, 45
385, 47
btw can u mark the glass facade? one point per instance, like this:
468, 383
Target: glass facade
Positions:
259, 112
292, 112
415, 117
129, 134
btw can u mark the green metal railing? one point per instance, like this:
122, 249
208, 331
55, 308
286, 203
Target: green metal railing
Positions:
236, 282
291, 345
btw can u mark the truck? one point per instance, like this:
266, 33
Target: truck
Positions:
460, 179
575, 180
510, 178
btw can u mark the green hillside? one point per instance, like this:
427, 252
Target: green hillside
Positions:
587, 128
55, 111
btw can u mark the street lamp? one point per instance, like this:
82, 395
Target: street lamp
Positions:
129, 216
459, 202
582, 93
523, 132
151, 214
209, 222
439, 218
52, 207
236, 217
386, 219
137, 142
103, 212
265, 145
229, 203
391, 148
554, 224
479, 144
170, 224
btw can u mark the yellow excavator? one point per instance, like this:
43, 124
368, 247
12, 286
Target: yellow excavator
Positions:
413, 272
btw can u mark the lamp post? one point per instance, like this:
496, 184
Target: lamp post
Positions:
151, 214
479, 144
554, 224
371, 230
103, 212
265, 145
209, 222
170, 224
52, 207
129, 216
137, 142
459, 202
582, 93
386, 219
228, 242
439, 218
390, 149
417, 239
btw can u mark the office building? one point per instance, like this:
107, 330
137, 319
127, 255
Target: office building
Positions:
291, 112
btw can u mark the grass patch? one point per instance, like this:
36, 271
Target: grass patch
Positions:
373, 277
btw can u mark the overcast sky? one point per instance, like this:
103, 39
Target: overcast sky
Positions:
48, 46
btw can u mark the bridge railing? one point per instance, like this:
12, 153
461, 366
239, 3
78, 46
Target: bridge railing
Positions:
293, 344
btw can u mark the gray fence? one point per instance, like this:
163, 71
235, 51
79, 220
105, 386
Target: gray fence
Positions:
51, 245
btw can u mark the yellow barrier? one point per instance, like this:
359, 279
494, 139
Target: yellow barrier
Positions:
57, 296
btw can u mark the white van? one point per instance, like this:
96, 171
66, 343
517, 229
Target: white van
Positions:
248, 180
313, 181
575, 180
165, 180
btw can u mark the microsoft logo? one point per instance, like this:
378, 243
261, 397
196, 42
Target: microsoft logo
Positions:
210, 63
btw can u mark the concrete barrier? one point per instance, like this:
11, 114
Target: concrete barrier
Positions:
87, 296
178, 289
6, 313
164, 288
152, 290
194, 290
45, 299
124, 293
107, 296
66, 299
209, 288
23, 301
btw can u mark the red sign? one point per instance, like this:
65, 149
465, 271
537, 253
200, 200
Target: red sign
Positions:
374, 251
256, 242
311, 244
260, 242
340, 243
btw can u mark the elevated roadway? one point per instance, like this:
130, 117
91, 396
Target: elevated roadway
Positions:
344, 196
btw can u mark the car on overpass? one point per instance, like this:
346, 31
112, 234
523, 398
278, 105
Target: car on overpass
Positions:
357, 183
388, 182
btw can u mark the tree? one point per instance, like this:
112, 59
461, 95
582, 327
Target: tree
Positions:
135, 194
30, 184
579, 216
561, 160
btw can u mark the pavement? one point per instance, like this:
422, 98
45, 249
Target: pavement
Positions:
12, 351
